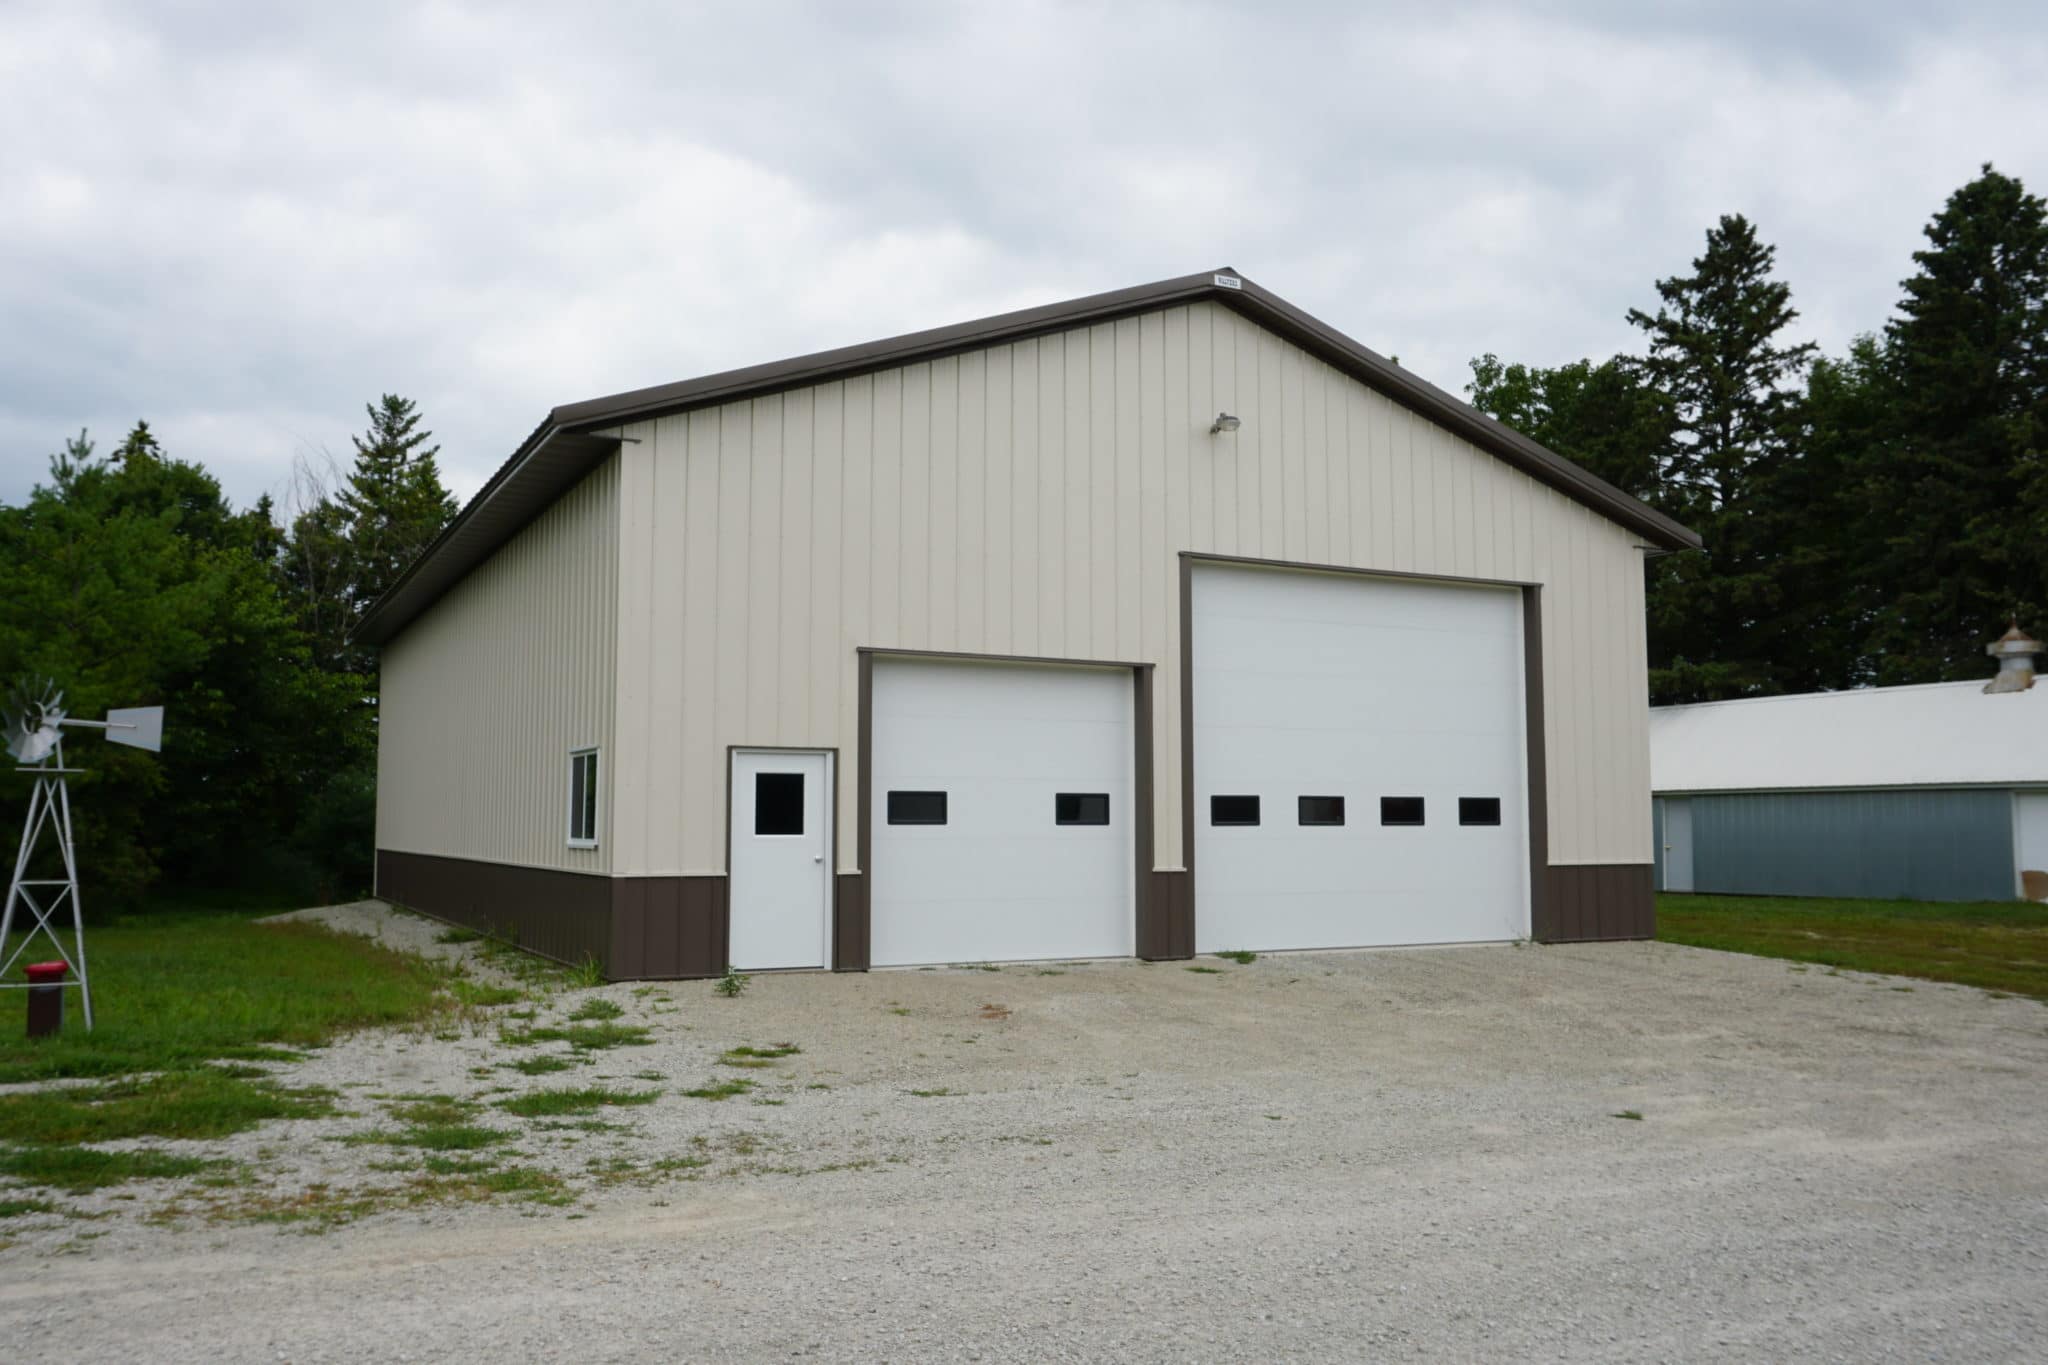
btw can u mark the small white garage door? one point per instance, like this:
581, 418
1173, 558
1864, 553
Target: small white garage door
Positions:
1001, 813
1359, 761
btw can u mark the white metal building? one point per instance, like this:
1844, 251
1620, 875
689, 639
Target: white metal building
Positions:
1158, 621
1936, 792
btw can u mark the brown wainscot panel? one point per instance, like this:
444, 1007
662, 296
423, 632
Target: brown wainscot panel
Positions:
1590, 902
1166, 921
850, 921
563, 915
668, 928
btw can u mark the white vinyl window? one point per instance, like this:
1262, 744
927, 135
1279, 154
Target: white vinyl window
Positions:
583, 798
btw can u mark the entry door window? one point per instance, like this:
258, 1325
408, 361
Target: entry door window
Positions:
778, 803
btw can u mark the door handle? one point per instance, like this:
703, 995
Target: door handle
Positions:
817, 857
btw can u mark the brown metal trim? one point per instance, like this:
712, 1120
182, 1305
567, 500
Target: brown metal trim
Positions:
1298, 566
668, 928
961, 656
1538, 763
852, 939
547, 465
1142, 898
511, 497
566, 916
1600, 902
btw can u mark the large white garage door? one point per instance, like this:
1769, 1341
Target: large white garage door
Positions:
1002, 816
1359, 761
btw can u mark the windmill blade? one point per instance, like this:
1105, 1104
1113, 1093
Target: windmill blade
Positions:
138, 727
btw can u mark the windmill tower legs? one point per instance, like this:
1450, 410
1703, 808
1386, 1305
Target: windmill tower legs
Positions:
49, 811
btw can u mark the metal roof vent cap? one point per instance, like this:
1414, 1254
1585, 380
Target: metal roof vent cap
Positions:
2015, 654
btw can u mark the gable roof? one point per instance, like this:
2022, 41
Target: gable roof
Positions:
1928, 735
566, 446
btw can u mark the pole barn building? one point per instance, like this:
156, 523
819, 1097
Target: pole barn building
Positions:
1164, 621
1934, 792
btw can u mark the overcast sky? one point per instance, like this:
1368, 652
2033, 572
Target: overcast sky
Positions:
243, 221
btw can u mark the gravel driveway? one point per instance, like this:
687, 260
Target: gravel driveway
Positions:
1392, 1155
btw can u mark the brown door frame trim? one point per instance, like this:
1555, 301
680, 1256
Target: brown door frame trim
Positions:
1534, 765
831, 852
861, 907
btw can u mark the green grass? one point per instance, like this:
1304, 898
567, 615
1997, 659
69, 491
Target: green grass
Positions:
1243, 957
1633, 1114
746, 1055
1998, 946
177, 987
16, 1208
201, 1103
540, 1066
470, 993
551, 1103
81, 1169
597, 1009
582, 1037
1207, 971
720, 1090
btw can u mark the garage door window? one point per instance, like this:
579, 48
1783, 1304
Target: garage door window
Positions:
1080, 808
917, 808
1321, 810
1479, 810
778, 803
1400, 810
1233, 810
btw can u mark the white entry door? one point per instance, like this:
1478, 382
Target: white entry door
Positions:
1002, 809
781, 871
1359, 761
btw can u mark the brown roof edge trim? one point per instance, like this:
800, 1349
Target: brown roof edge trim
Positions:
1454, 413
415, 591
398, 606
890, 351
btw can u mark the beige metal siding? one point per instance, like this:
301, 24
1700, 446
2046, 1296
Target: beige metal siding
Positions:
486, 693
1032, 499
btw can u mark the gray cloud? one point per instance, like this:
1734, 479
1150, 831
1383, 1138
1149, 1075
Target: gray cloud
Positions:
241, 222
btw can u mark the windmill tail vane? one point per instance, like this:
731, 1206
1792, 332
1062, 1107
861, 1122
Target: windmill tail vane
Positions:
33, 724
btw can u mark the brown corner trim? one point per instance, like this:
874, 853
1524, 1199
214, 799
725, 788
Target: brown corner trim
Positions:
1537, 764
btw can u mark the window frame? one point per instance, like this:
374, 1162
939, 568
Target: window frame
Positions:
802, 801
1494, 823
1301, 813
1079, 797
1258, 810
945, 807
1421, 813
577, 754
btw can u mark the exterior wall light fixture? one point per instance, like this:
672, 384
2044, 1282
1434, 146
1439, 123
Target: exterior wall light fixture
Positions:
1224, 422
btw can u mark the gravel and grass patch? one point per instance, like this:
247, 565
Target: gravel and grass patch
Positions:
1994, 945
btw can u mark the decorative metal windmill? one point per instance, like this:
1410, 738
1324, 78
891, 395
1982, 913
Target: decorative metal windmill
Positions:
33, 723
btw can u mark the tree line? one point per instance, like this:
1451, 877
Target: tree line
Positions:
128, 578
1872, 517
1869, 518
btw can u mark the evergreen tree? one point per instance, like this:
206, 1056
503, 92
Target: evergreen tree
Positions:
1957, 486
1718, 620
394, 504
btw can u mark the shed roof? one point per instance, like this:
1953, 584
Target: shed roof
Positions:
569, 444
1937, 735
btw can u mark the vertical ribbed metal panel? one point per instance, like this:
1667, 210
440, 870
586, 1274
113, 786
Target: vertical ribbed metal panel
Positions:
483, 696
1032, 499
1933, 845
